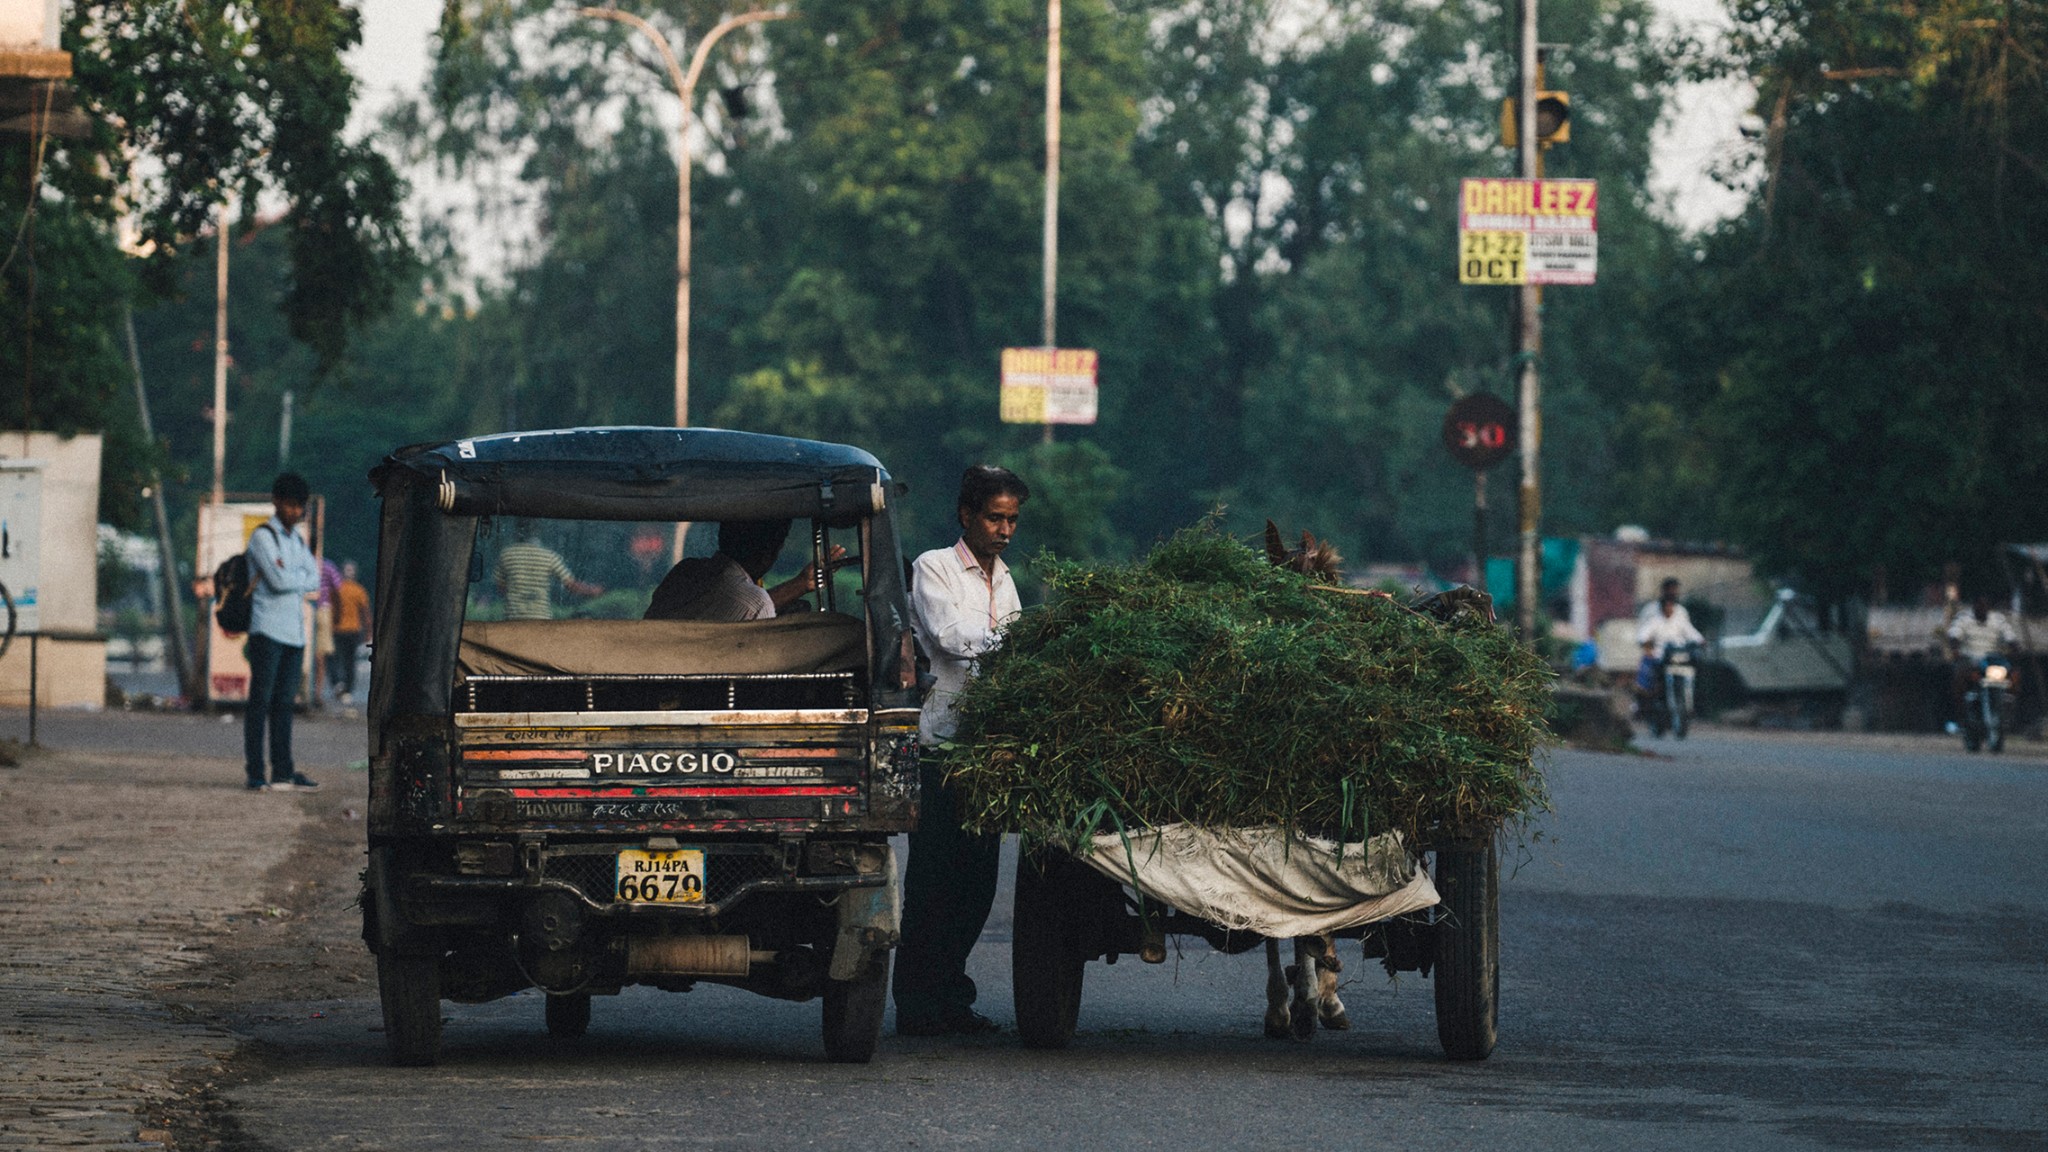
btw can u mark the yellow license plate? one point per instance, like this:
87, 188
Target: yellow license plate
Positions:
673, 877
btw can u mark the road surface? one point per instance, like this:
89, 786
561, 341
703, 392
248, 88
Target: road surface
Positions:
1749, 941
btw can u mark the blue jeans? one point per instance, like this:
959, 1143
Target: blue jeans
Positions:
273, 687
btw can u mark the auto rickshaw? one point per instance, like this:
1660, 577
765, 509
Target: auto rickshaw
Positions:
583, 800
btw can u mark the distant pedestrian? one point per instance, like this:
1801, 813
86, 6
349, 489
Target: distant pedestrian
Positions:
528, 571
351, 620
323, 631
282, 573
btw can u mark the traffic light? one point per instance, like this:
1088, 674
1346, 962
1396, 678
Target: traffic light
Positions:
1553, 120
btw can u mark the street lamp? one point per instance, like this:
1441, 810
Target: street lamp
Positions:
686, 86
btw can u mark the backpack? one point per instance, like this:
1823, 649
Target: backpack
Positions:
234, 602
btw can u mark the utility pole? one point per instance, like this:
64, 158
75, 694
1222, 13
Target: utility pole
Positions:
1052, 178
1528, 346
220, 356
174, 601
284, 431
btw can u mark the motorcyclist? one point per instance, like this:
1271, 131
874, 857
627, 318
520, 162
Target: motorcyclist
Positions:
1665, 622
1972, 636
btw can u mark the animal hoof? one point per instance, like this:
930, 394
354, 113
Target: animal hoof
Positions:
1302, 1019
1277, 1029
1336, 1021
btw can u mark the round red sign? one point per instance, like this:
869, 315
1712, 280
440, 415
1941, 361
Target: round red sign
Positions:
1479, 430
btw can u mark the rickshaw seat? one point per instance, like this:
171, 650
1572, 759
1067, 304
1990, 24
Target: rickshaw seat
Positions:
785, 645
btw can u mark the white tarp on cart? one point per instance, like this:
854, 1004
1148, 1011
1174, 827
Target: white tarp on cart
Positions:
1263, 880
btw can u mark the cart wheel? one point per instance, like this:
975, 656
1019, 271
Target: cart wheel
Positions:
1468, 950
1046, 963
853, 1013
410, 988
569, 1016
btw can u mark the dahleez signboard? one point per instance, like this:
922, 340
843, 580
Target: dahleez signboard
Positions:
1528, 231
1048, 386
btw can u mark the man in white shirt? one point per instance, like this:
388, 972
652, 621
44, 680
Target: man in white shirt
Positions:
960, 599
1666, 622
1980, 632
282, 572
1972, 636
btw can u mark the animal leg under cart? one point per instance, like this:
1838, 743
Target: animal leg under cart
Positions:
1435, 913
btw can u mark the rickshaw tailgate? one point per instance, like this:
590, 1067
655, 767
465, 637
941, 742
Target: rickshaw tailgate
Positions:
668, 767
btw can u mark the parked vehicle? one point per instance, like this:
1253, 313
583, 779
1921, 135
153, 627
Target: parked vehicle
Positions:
1985, 704
593, 800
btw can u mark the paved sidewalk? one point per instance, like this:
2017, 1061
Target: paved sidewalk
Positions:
129, 855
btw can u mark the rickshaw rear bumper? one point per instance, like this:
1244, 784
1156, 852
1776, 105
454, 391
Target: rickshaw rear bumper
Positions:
426, 892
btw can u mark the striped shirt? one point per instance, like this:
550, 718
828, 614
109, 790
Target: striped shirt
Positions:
527, 571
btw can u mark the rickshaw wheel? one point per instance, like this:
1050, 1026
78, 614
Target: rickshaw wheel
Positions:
568, 1016
1468, 950
1046, 964
853, 1013
410, 989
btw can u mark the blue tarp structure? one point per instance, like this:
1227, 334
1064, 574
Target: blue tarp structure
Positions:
1560, 556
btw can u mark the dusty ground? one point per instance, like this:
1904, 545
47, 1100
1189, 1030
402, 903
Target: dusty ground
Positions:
141, 893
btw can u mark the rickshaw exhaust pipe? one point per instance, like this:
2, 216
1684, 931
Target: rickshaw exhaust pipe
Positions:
692, 956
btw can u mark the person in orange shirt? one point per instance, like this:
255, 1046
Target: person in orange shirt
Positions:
351, 617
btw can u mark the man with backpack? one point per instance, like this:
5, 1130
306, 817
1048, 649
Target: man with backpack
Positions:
282, 571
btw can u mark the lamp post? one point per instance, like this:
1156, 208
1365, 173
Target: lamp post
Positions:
686, 86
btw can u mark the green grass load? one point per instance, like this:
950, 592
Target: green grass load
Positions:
1204, 685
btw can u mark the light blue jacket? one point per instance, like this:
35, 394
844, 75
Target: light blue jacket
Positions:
281, 571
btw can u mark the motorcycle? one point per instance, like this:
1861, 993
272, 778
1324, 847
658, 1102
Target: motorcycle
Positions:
1984, 705
1669, 704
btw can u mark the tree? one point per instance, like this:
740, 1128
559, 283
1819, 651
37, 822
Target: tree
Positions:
1877, 314
187, 101
402, 380
1256, 232
1327, 163
243, 96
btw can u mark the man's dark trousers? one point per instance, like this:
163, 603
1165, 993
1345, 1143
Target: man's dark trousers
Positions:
947, 891
341, 667
273, 687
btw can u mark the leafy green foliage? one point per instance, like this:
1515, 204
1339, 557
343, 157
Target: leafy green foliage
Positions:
1204, 685
1257, 225
401, 381
191, 98
187, 101
1862, 349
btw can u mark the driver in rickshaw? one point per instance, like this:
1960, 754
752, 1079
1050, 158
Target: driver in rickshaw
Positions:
726, 586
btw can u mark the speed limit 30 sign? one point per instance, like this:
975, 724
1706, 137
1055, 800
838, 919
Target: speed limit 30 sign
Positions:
1479, 430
